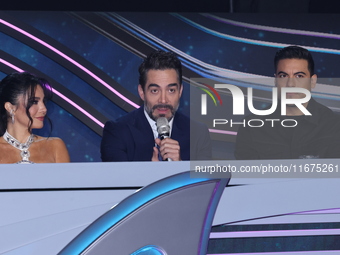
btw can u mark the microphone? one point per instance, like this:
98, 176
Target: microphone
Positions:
163, 129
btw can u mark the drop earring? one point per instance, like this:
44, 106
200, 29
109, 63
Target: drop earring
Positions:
12, 116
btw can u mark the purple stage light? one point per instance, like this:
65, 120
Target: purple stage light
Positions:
321, 252
276, 233
60, 95
224, 132
78, 107
89, 73
10, 65
70, 60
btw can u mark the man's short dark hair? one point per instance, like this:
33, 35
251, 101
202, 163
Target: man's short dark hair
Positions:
160, 60
297, 52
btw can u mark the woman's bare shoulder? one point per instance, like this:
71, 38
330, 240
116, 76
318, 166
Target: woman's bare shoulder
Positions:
48, 139
58, 145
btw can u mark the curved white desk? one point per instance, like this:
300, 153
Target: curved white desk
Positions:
43, 206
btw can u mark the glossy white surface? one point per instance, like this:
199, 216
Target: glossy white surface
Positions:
43, 206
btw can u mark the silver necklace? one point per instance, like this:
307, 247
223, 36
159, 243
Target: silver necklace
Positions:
23, 147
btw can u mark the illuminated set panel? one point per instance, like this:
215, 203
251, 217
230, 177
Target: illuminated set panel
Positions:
216, 46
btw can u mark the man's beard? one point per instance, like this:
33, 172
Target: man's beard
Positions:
167, 106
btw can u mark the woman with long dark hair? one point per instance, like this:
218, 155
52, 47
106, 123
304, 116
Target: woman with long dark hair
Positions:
22, 108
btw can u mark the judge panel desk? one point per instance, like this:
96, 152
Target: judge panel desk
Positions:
44, 206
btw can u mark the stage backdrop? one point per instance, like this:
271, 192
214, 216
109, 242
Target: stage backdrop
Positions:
91, 60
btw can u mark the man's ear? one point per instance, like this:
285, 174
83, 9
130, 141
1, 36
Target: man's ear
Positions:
313, 81
141, 92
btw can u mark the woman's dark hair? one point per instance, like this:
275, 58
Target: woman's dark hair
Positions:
160, 60
20, 84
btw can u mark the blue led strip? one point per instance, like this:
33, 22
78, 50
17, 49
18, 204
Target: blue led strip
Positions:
203, 69
149, 250
132, 203
249, 41
271, 29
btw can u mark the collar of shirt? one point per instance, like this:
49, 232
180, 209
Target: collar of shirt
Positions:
153, 124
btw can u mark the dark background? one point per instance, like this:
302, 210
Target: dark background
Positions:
236, 6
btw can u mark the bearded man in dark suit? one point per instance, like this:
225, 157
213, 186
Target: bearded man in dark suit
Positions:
134, 137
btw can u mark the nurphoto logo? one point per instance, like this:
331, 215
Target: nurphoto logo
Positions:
239, 102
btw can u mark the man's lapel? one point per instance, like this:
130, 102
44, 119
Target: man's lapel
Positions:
181, 133
142, 133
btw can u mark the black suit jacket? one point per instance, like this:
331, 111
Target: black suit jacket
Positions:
130, 138
317, 135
